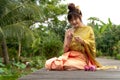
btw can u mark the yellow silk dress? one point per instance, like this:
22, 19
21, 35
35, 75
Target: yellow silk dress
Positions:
79, 55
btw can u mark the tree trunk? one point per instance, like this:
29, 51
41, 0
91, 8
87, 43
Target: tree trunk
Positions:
5, 52
19, 50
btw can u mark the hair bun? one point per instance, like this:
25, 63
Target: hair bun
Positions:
71, 7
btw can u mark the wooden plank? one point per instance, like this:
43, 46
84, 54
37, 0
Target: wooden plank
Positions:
112, 74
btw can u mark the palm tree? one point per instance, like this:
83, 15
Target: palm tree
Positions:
16, 16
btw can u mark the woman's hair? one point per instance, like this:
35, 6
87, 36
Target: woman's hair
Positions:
74, 12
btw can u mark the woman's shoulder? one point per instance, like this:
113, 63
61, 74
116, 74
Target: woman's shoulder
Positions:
88, 27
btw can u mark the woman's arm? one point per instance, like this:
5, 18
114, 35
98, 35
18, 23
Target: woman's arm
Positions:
67, 40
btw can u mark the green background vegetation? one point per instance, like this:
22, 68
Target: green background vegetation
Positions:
24, 47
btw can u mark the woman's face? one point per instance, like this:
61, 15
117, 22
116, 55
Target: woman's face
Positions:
75, 22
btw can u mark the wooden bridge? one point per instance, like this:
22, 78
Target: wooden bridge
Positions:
111, 74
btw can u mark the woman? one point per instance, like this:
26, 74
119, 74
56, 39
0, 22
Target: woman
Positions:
79, 46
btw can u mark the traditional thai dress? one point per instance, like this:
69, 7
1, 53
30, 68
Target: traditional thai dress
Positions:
79, 55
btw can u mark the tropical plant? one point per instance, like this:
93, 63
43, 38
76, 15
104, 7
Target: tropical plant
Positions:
107, 36
51, 23
51, 45
53, 10
15, 20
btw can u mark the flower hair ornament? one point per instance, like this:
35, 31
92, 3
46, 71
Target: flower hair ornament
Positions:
78, 8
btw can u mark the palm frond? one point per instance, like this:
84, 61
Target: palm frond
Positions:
18, 31
2, 7
21, 12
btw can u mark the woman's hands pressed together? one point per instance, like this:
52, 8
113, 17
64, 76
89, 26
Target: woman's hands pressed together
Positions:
68, 39
78, 39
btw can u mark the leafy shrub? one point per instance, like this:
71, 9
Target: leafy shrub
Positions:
107, 36
12, 53
117, 56
37, 62
98, 53
17, 69
107, 42
51, 45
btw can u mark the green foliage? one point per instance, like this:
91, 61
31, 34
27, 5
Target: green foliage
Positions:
52, 13
51, 45
1, 64
107, 37
37, 62
19, 65
15, 21
7, 77
35, 45
6, 73
99, 53
17, 69
12, 53
16, 18
117, 56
